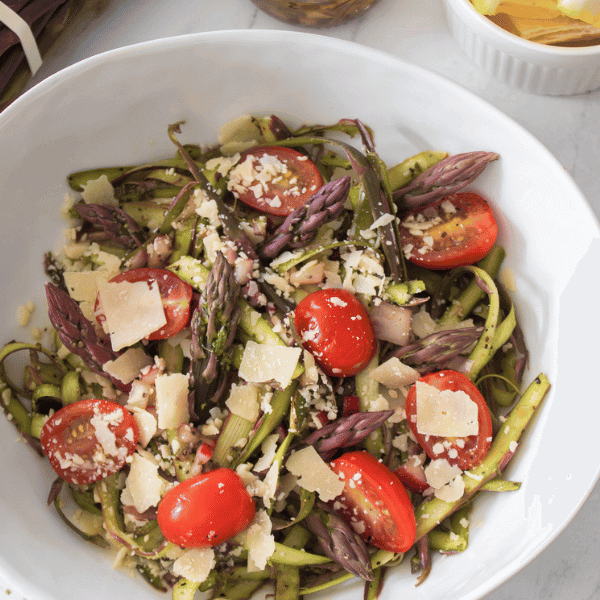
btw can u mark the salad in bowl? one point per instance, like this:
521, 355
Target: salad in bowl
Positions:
276, 361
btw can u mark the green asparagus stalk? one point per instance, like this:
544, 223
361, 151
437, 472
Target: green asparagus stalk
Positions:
251, 322
280, 407
287, 577
457, 539
403, 173
370, 180
76, 332
444, 178
379, 559
345, 432
214, 324
433, 511
440, 347
185, 589
339, 542
114, 223
301, 226
95, 539
462, 306
151, 545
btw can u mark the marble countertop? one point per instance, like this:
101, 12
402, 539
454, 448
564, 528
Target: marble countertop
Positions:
568, 126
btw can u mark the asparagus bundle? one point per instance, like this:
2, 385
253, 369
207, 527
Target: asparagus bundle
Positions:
47, 20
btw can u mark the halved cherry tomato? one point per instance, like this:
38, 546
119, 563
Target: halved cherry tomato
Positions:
176, 296
350, 405
412, 475
335, 328
206, 510
89, 440
375, 502
453, 231
465, 452
282, 179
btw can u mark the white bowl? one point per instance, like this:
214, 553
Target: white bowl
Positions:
114, 109
526, 65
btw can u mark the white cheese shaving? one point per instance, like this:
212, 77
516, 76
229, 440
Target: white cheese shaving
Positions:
128, 365
83, 285
195, 564
133, 311
172, 400
259, 541
314, 474
98, 191
452, 491
143, 485
445, 413
146, 425
382, 221
243, 401
439, 472
394, 374
265, 362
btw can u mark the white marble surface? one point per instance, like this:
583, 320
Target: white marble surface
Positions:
415, 31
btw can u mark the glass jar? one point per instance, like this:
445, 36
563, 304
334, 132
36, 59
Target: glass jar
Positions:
314, 13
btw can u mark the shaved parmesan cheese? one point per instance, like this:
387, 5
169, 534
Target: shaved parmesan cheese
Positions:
140, 394
310, 376
107, 262
146, 425
268, 447
445, 413
133, 311
98, 191
143, 485
259, 541
394, 374
101, 423
384, 220
266, 362
243, 401
423, 324
439, 472
127, 367
172, 400
314, 474
83, 285
195, 564
452, 491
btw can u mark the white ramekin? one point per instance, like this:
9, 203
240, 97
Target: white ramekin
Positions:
528, 66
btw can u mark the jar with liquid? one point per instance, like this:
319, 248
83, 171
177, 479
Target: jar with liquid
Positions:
314, 13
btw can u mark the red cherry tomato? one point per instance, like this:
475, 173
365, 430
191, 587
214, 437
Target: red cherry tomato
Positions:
175, 293
282, 179
412, 476
375, 502
89, 440
206, 510
335, 328
465, 452
454, 231
350, 405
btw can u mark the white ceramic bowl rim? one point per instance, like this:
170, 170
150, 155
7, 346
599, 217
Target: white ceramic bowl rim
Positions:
487, 27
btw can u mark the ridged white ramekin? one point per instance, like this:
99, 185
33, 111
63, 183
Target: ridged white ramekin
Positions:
528, 66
